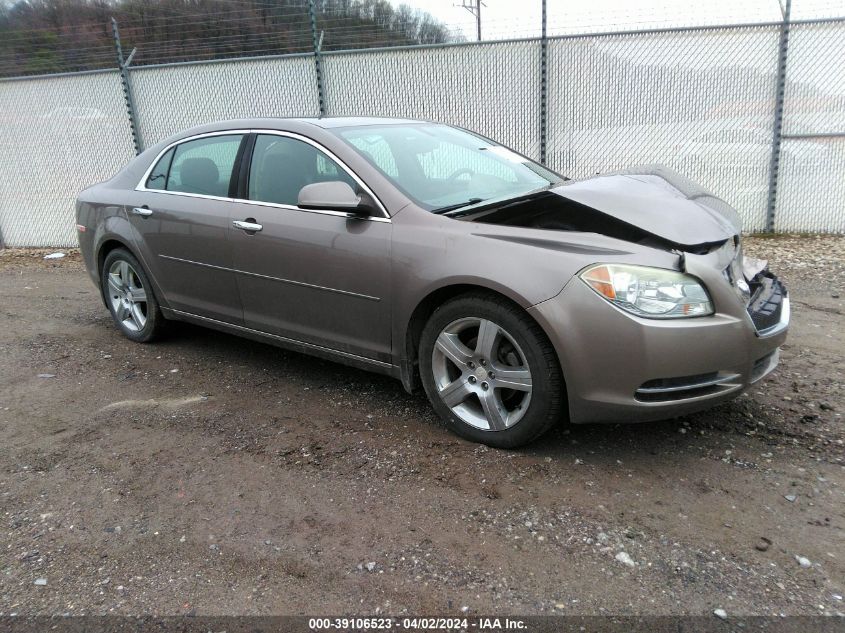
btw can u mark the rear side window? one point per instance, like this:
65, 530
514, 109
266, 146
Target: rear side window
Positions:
202, 166
158, 176
281, 166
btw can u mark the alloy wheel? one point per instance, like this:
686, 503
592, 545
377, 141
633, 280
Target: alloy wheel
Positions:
481, 374
127, 296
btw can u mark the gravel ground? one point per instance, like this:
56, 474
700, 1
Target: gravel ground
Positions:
208, 474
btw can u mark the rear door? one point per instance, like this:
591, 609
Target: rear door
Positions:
182, 219
320, 277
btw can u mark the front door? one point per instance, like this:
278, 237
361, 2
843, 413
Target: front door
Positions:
182, 218
318, 277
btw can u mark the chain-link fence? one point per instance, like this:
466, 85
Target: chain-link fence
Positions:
58, 135
704, 101
811, 188
490, 88
172, 98
699, 101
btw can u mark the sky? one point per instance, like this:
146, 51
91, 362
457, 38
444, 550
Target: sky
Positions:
505, 19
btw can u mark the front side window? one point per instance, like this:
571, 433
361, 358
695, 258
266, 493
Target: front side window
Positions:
203, 166
281, 166
441, 167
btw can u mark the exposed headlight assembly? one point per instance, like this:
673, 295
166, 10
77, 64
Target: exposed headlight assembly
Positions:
654, 293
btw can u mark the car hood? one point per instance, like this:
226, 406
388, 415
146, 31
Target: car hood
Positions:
658, 201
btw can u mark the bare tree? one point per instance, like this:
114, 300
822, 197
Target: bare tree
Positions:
39, 36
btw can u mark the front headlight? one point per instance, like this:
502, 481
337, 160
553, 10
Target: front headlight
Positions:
655, 293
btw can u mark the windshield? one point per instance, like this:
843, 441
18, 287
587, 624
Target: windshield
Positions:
443, 168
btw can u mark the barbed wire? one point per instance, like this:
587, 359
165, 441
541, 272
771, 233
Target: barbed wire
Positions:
106, 26
263, 27
245, 10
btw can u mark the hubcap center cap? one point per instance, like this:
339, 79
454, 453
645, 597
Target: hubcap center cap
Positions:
480, 373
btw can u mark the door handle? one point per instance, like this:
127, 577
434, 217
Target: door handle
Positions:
142, 211
249, 225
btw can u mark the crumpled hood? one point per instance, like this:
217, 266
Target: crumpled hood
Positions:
659, 201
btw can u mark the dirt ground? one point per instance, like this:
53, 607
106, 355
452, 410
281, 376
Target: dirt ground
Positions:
207, 474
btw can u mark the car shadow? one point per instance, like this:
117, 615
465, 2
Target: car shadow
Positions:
602, 442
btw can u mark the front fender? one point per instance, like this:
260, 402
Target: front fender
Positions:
410, 314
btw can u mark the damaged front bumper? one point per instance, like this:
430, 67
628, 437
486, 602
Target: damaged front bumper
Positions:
769, 305
622, 368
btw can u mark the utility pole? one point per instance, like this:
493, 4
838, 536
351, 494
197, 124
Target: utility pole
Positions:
474, 7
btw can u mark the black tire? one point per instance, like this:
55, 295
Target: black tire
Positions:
154, 320
548, 396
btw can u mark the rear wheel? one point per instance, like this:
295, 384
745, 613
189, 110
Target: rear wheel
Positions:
130, 297
490, 371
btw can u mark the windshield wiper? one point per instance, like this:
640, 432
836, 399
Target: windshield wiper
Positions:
455, 210
453, 207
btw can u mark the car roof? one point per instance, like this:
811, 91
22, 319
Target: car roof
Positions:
354, 121
285, 123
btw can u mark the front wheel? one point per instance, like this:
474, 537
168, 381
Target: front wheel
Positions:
490, 371
129, 297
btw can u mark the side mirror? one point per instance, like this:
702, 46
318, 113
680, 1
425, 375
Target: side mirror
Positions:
333, 195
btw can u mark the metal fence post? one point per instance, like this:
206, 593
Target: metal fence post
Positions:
544, 55
777, 128
321, 97
123, 64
